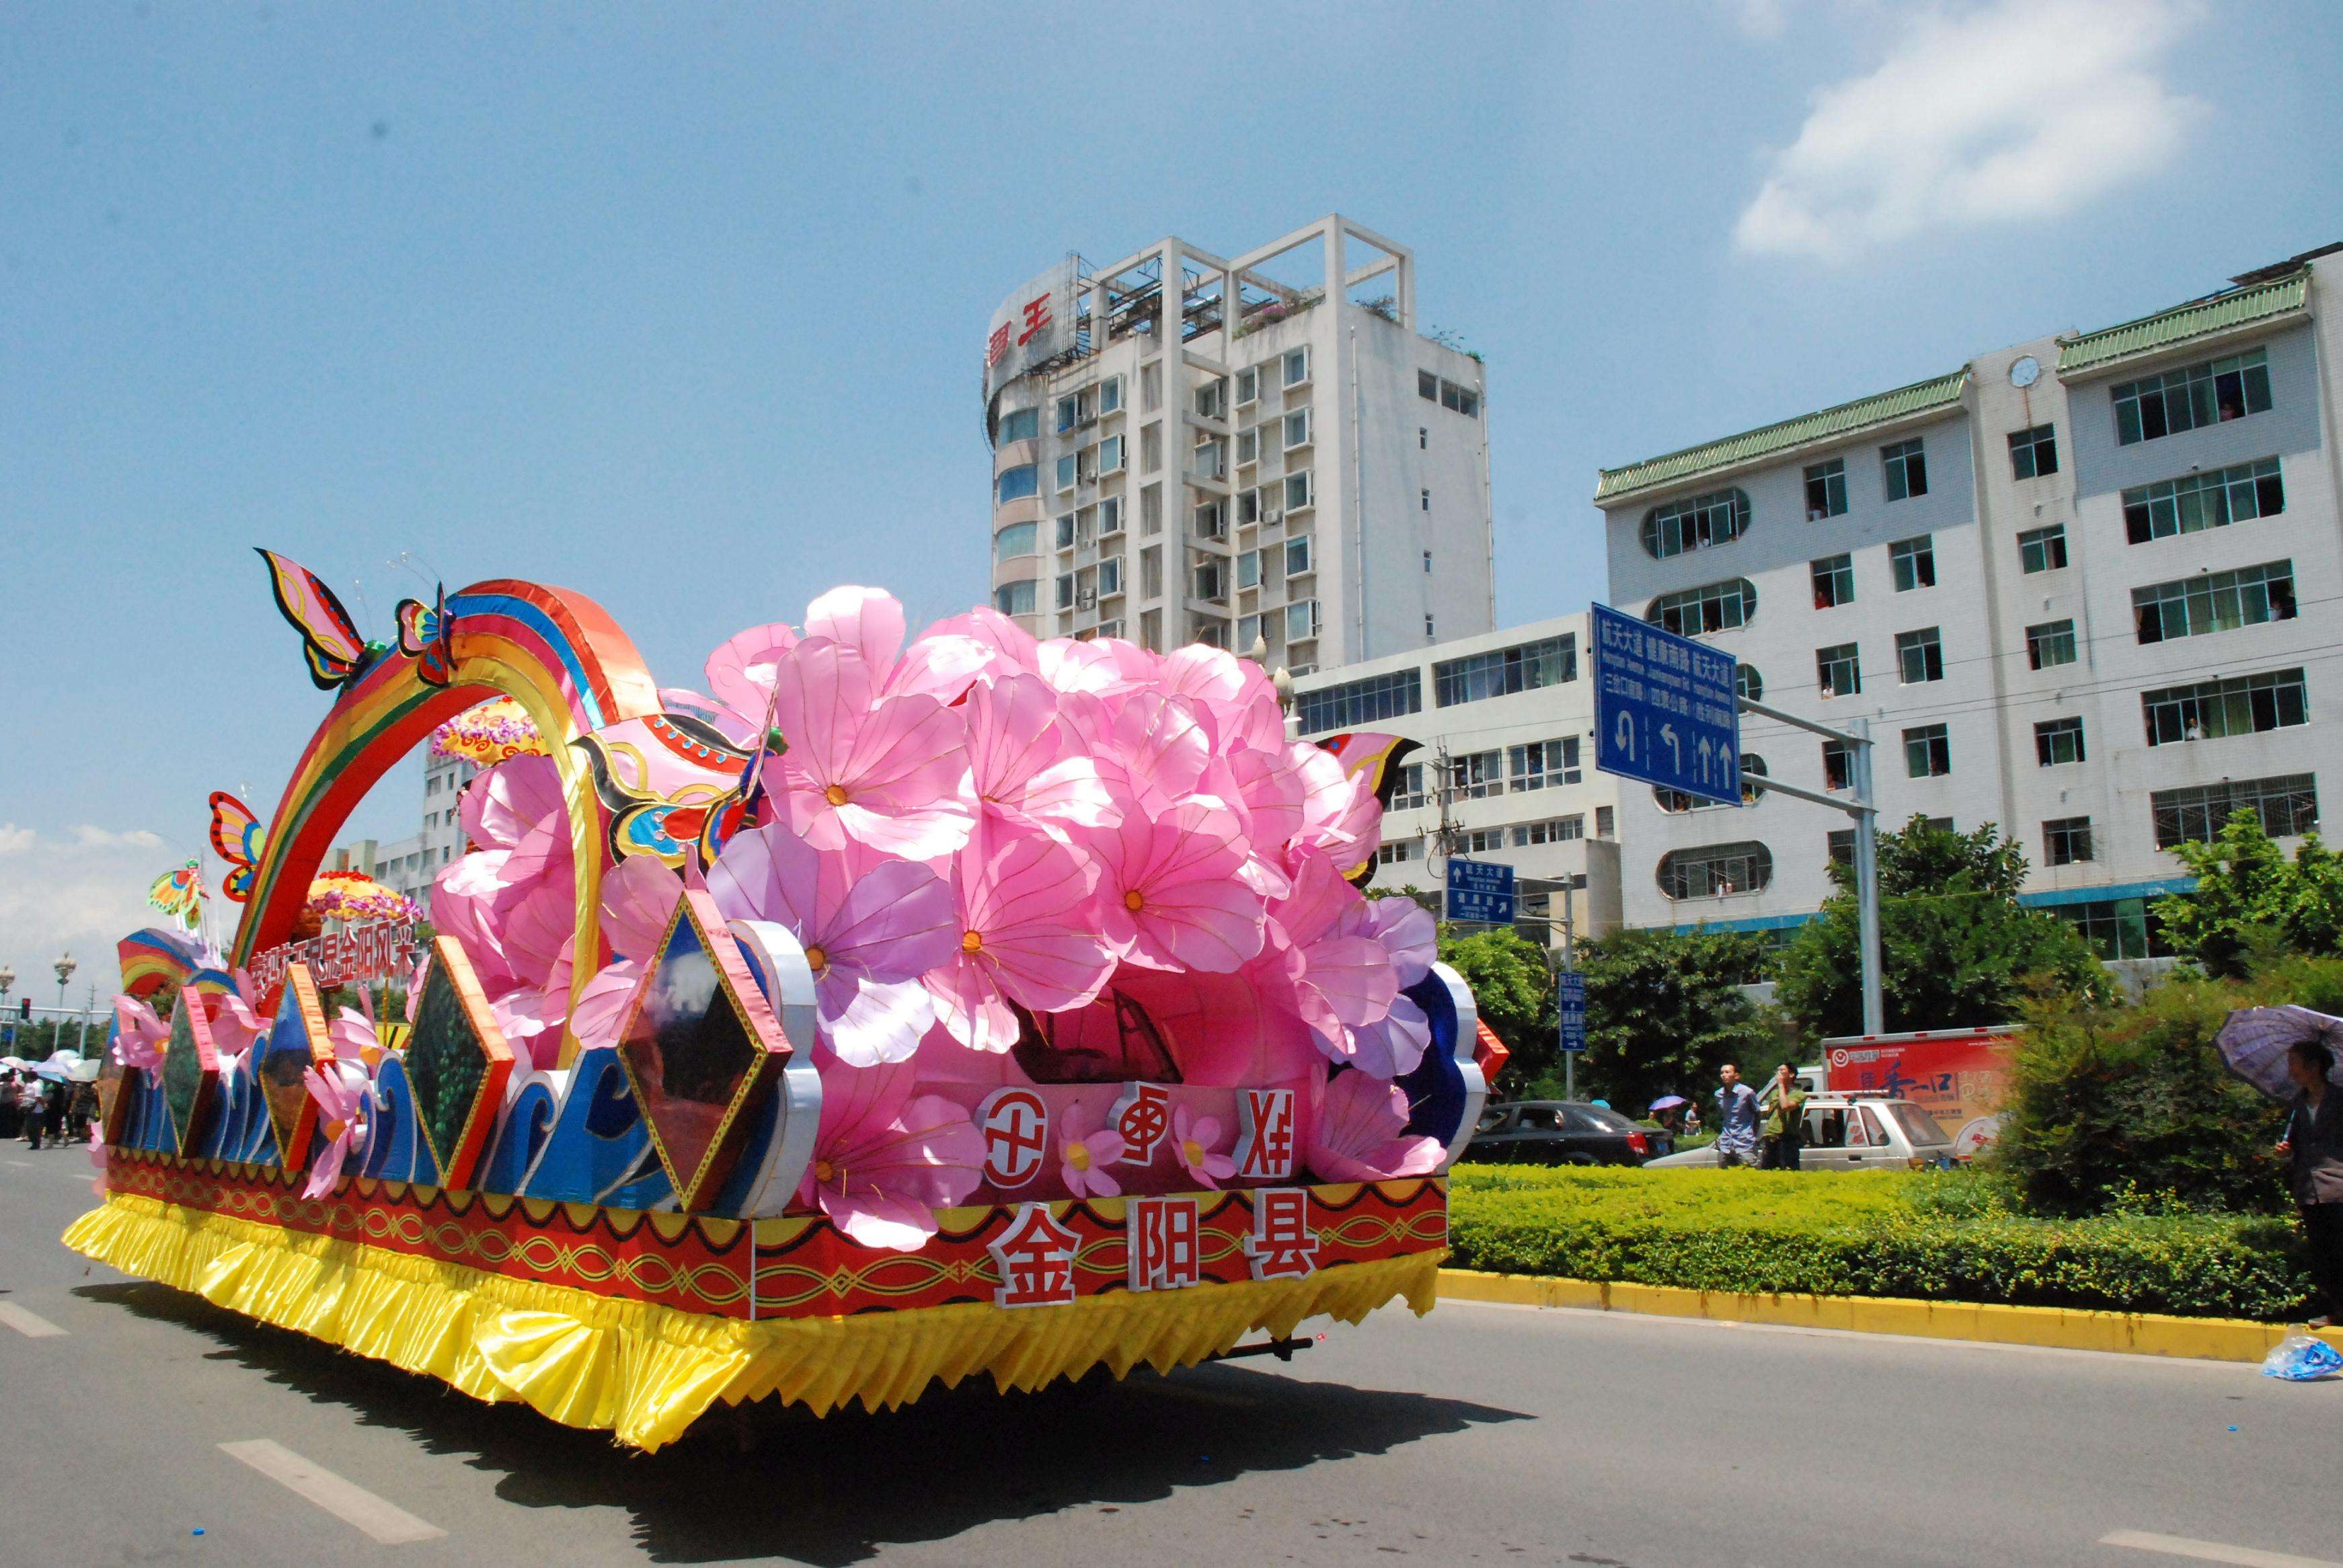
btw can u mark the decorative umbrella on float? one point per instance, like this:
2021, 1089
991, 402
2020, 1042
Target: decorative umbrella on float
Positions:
491, 733
353, 897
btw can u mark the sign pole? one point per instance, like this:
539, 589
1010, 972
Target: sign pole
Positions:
1866, 879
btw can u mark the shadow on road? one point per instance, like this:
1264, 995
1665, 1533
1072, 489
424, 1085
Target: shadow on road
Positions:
769, 1482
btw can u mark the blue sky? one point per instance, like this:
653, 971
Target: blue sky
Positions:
681, 306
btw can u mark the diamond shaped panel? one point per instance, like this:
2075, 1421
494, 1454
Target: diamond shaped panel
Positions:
295, 1043
457, 1064
190, 1072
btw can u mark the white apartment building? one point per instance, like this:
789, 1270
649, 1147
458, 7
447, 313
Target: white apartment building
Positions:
1505, 769
408, 865
1188, 449
2073, 586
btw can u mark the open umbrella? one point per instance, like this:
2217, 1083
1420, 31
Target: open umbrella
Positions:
353, 897
1668, 1102
2255, 1040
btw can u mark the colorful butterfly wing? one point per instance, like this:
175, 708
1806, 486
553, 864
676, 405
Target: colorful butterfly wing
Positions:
330, 638
423, 637
236, 839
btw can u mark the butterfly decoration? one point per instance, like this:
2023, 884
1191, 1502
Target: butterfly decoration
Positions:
743, 807
236, 839
338, 655
425, 636
1377, 757
661, 778
179, 893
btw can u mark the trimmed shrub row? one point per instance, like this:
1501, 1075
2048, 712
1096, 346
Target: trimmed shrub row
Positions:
1932, 1236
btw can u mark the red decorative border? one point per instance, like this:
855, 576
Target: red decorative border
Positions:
802, 1266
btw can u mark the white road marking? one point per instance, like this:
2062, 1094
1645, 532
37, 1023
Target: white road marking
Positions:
22, 1164
2212, 1551
32, 1326
386, 1523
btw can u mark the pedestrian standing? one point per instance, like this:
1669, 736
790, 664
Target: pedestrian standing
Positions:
1736, 1119
28, 1102
2313, 1146
1783, 1132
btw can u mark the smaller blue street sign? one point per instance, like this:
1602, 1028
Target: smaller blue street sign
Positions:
1570, 998
1666, 709
1481, 892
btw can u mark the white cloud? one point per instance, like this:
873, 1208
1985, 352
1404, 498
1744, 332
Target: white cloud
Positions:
89, 837
2022, 109
14, 840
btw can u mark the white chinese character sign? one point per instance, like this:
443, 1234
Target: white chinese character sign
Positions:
1666, 709
1033, 326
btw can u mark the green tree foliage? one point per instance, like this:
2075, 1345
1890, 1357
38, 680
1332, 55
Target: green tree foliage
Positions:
1956, 948
1663, 1011
2251, 904
2106, 1104
1514, 993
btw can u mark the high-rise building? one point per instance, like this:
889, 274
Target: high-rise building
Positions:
409, 865
1503, 767
2074, 586
1189, 449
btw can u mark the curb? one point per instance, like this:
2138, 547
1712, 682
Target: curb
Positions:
2056, 1328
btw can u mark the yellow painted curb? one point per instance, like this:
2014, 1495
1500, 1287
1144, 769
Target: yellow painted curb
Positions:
2061, 1327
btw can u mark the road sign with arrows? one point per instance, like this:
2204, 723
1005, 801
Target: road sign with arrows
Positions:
1665, 708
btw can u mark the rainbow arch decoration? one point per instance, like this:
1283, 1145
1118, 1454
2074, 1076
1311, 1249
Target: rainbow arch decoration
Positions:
555, 652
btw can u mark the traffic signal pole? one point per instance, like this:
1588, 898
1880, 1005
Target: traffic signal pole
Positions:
1859, 804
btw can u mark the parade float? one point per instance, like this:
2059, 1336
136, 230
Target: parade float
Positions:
888, 1013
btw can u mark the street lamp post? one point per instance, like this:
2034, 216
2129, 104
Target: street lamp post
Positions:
64, 966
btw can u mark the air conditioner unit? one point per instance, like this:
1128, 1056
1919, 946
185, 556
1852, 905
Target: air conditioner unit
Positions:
1086, 601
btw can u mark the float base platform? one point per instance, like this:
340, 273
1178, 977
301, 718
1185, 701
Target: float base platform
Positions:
534, 1313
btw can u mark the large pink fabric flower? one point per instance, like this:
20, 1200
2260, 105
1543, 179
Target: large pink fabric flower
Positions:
343, 1110
868, 937
740, 676
1021, 761
1168, 893
1085, 1154
1194, 1140
1394, 1043
1024, 904
884, 1160
1342, 978
887, 772
140, 1035
1361, 1133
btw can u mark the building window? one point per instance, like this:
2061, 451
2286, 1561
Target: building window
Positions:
1835, 670
1151, 572
1066, 590
2215, 709
2057, 741
1016, 484
1908, 469
1296, 364
1839, 844
1476, 775
1427, 563
1427, 386
1425, 503
2034, 453
1428, 633
1920, 655
1015, 599
2288, 807
1017, 540
1715, 872
1680, 527
2215, 601
1552, 831
1248, 386
2115, 928
1605, 822
2066, 841
2177, 400
1150, 449
1834, 578
1020, 425
1297, 428
1394, 854
1675, 801
1297, 491
1301, 621
1069, 466
1407, 791
1423, 437
2051, 644
1748, 682
1110, 455
1297, 556
1928, 751
1825, 489
1360, 702
2043, 550
1109, 513
1914, 562
1151, 509
1110, 576
1110, 394
1212, 521
1712, 606
1838, 765
1502, 671
1066, 530
1543, 762
2195, 502
1249, 570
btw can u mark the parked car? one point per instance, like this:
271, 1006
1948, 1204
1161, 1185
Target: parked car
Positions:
1856, 1132
1564, 1132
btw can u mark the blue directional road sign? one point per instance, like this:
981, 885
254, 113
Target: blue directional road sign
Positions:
1570, 998
1480, 892
1665, 708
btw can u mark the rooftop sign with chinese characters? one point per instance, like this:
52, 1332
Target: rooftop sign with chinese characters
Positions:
1666, 709
1033, 326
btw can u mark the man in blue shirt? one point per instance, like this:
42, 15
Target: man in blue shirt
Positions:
1736, 1119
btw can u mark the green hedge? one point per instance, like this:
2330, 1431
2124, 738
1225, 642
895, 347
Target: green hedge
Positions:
1947, 1236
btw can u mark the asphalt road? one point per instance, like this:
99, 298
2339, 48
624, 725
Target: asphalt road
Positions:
1483, 1433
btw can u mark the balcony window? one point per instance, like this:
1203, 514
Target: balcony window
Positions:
1016, 484
1297, 491
1296, 367
1712, 606
2197, 395
1015, 599
1069, 468
1714, 872
2215, 709
2288, 807
1020, 425
1110, 454
2195, 502
1110, 576
2215, 601
1298, 558
1297, 428
1109, 512
1301, 621
1697, 524
1110, 394
1017, 540
1249, 570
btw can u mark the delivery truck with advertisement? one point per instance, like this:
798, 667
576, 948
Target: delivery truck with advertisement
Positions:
1957, 1075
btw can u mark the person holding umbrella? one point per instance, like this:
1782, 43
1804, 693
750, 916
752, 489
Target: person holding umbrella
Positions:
2313, 1145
